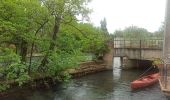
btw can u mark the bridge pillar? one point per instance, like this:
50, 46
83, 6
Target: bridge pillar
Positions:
108, 57
127, 63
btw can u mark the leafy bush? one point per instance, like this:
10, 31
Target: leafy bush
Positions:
12, 69
61, 60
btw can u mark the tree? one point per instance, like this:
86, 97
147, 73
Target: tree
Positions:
133, 32
49, 28
118, 33
21, 20
160, 32
63, 11
91, 39
103, 24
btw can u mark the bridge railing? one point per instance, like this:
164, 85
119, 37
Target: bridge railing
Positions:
138, 44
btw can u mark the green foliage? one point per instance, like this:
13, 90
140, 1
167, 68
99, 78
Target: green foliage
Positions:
139, 33
103, 24
61, 60
23, 78
8, 56
17, 72
66, 10
157, 61
68, 42
160, 32
49, 28
12, 68
64, 77
94, 40
86, 37
3, 87
133, 32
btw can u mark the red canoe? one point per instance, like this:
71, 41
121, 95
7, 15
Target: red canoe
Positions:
144, 81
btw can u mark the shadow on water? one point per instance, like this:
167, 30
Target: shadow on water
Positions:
108, 85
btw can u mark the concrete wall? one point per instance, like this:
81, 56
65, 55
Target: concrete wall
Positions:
151, 54
108, 57
144, 54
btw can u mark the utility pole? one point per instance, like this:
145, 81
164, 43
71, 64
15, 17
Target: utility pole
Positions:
166, 46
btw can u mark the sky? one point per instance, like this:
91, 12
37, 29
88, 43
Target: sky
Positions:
148, 14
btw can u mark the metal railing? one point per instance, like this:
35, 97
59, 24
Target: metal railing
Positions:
138, 44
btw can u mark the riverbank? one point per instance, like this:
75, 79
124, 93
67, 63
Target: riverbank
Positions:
46, 82
87, 68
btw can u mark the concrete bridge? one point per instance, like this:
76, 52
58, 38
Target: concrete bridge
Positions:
146, 49
134, 52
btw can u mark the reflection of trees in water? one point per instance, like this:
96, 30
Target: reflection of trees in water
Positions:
102, 82
89, 87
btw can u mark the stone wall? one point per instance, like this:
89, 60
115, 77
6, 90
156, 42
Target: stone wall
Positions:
87, 68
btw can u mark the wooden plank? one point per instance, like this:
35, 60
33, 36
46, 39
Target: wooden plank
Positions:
164, 90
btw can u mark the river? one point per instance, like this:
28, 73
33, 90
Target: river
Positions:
107, 85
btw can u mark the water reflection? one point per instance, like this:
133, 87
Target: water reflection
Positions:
116, 68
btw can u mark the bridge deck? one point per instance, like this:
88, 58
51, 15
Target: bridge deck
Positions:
138, 49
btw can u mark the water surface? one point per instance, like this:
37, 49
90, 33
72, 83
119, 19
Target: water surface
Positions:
108, 85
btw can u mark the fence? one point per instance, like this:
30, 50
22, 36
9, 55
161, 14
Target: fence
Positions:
138, 44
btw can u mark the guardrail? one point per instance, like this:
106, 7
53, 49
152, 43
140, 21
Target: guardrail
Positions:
138, 44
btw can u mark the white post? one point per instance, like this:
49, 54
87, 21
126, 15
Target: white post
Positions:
166, 46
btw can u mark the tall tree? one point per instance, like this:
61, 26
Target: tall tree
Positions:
133, 32
63, 11
160, 32
103, 24
20, 23
47, 27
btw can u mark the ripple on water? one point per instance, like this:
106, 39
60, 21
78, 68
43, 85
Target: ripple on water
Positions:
100, 86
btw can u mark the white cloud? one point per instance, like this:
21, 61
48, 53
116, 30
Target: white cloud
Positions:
119, 14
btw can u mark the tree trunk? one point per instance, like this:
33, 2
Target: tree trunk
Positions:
44, 62
23, 51
30, 60
33, 44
